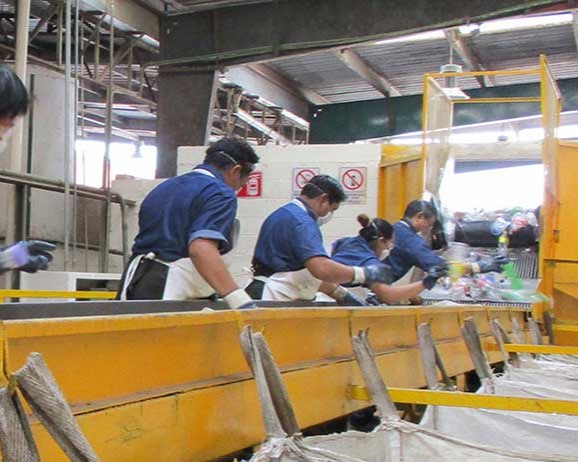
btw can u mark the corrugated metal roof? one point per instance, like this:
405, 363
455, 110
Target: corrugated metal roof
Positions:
403, 63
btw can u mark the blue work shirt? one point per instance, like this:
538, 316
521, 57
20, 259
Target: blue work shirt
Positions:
410, 250
354, 251
288, 238
196, 205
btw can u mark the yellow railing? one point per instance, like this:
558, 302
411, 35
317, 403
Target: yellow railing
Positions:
84, 294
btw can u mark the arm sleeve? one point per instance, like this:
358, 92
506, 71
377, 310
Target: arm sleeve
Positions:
307, 242
425, 257
215, 219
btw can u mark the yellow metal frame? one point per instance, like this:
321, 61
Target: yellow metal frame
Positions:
550, 206
141, 385
536, 349
470, 400
86, 294
395, 189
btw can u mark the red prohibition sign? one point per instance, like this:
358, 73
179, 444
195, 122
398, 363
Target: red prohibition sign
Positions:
352, 179
303, 176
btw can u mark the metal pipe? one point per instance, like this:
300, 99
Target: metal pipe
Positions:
59, 36
105, 231
15, 159
77, 69
68, 141
38, 182
97, 51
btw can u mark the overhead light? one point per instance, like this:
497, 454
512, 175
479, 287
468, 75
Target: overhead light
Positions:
418, 37
450, 87
528, 22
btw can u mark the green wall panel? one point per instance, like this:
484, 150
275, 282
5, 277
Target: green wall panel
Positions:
347, 122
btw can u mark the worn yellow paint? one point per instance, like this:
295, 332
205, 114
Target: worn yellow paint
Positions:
87, 294
175, 386
472, 400
399, 183
537, 349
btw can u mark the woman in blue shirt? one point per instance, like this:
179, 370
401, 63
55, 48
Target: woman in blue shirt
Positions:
370, 247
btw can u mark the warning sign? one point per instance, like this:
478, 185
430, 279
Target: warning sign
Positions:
354, 182
301, 176
254, 186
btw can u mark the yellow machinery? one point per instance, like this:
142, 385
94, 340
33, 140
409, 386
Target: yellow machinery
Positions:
175, 386
407, 171
156, 385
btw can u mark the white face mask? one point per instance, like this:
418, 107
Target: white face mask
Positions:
324, 220
384, 254
5, 132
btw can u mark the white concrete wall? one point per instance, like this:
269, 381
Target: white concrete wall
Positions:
277, 163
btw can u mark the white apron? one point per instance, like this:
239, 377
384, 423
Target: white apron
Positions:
183, 280
290, 285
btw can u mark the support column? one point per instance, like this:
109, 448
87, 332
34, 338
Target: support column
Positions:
185, 114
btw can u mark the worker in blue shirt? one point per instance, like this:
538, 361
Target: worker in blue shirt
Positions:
27, 256
186, 226
412, 250
290, 261
369, 247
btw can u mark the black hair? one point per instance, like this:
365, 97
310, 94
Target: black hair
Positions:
324, 184
374, 229
420, 206
14, 97
228, 152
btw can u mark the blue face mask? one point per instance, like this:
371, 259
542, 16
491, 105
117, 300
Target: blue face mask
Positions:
324, 220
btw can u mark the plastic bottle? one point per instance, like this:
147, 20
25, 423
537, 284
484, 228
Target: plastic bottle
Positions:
503, 243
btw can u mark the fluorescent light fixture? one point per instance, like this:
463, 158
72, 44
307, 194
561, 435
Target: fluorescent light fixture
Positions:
418, 37
505, 25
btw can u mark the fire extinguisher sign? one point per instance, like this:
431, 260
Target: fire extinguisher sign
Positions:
254, 186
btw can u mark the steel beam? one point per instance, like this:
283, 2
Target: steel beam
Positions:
291, 87
184, 117
353, 61
459, 44
299, 26
132, 14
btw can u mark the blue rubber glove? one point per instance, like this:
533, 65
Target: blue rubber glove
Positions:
28, 256
351, 300
376, 273
372, 299
488, 264
248, 306
433, 275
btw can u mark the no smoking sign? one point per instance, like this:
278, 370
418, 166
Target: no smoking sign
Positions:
301, 176
354, 182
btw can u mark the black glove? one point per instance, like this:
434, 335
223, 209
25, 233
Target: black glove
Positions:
28, 256
433, 274
351, 300
378, 273
487, 264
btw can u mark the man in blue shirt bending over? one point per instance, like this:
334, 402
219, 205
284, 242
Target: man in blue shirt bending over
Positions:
186, 225
411, 249
290, 261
